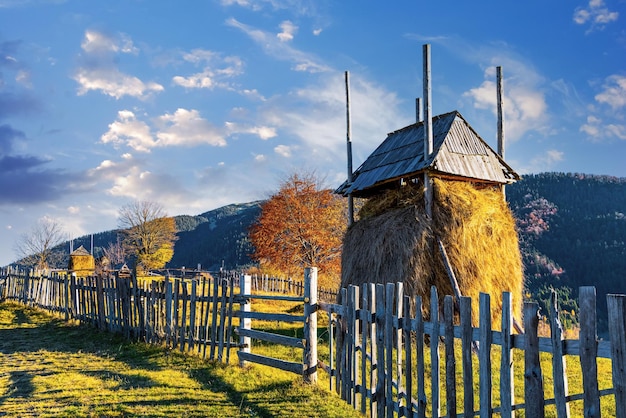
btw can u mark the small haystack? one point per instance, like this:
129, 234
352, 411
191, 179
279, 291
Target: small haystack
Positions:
395, 241
82, 263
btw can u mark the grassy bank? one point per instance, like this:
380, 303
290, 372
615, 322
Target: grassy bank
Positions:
51, 368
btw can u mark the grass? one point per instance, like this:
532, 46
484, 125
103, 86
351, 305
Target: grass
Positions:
52, 368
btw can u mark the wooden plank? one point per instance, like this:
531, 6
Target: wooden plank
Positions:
588, 351
419, 358
389, 334
381, 382
559, 371
353, 297
192, 315
466, 355
229, 327
507, 383
484, 356
372, 298
533, 378
288, 366
434, 352
245, 343
274, 297
342, 374
222, 324
271, 337
448, 317
183, 322
399, 299
364, 322
310, 325
408, 353
616, 305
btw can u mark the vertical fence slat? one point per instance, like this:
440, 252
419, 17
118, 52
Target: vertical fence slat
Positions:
466, 350
448, 316
434, 352
408, 352
419, 358
507, 383
484, 355
381, 382
588, 351
558, 359
310, 325
616, 305
533, 378
373, 338
245, 285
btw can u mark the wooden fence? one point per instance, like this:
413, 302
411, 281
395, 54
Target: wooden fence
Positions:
381, 355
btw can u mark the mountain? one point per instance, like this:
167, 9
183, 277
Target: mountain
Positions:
216, 238
572, 230
572, 234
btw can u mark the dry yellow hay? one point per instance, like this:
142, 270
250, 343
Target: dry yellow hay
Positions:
82, 263
394, 241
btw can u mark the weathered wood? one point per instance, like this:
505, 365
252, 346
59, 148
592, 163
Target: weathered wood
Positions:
381, 378
588, 351
616, 305
507, 382
434, 351
398, 299
245, 287
533, 378
350, 345
408, 353
422, 401
364, 322
484, 355
288, 366
448, 316
466, 355
373, 338
558, 359
310, 325
389, 334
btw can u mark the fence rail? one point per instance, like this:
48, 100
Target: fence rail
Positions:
381, 353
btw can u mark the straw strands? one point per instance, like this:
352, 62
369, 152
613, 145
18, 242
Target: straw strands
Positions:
395, 241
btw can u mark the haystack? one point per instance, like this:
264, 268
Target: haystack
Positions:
394, 241
82, 262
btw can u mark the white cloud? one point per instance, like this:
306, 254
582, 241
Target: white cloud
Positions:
542, 162
315, 116
525, 107
278, 49
186, 127
614, 93
316, 32
263, 132
288, 31
129, 131
283, 150
100, 72
144, 185
97, 42
596, 14
597, 130
216, 72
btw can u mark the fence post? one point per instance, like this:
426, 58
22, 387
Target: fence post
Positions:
617, 330
245, 286
310, 324
589, 351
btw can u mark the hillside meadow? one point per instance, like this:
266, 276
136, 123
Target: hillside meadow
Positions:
49, 368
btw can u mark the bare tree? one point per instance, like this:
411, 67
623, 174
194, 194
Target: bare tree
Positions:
149, 234
114, 252
35, 248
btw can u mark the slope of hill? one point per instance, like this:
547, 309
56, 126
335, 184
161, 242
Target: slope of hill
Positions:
572, 233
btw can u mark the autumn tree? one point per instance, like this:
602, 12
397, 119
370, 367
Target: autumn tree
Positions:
148, 234
36, 247
301, 225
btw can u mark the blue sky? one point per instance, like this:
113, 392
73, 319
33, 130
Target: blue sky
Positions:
199, 104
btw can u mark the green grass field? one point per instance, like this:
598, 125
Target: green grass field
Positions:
52, 368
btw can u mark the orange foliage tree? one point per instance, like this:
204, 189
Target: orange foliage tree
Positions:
301, 225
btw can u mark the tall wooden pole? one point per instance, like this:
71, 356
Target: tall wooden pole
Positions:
349, 149
500, 104
428, 130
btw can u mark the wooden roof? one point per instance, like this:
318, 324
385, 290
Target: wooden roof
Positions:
458, 151
80, 251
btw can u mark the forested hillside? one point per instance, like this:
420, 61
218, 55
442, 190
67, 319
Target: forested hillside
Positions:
572, 234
